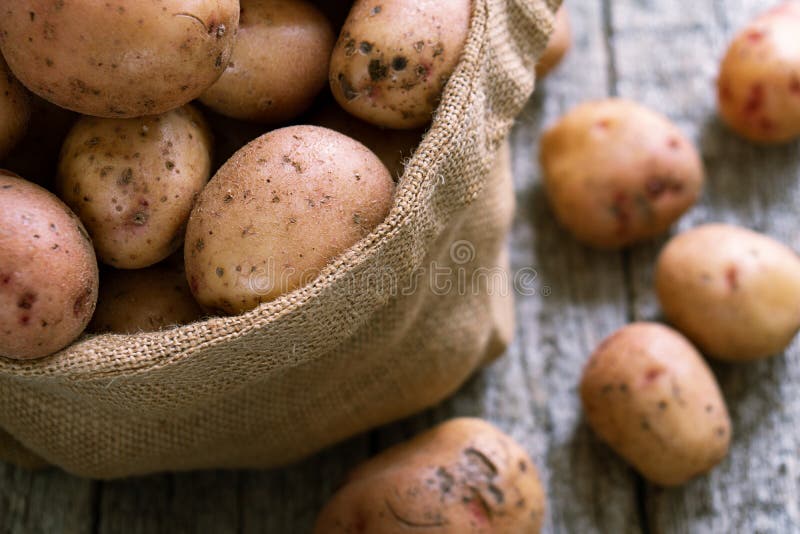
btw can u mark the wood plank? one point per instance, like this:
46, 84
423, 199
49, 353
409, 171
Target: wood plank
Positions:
667, 57
33, 502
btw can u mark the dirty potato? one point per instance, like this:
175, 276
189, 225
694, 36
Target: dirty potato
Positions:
732, 291
14, 110
279, 65
558, 46
393, 59
48, 271
617, 173
278, 212
144, 300
648, 393
118, 59
133, 182
461, 477
759, 80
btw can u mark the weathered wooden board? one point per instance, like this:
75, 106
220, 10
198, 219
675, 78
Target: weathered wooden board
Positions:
663, 53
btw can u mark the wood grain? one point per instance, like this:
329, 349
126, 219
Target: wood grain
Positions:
663, 53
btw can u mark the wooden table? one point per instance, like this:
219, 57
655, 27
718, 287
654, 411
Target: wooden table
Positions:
663, 53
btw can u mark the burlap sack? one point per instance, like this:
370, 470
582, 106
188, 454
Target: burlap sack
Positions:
392, 327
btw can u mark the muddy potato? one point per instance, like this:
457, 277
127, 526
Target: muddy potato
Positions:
463, 476
133, 182
278, 211
732, 291
48, 271
15, 110
648, 393
558, 46
118, 59
759, 79
393, 147
617, 173
279, 65
144, 300
393, 58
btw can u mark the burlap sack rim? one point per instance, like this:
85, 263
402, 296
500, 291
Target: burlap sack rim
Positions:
92, 358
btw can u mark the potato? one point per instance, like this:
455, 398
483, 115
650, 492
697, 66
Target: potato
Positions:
393, 59
732, 291
393, 147
118, 59
48, 271
463, 476
15, 110
133, 182
145, 300
279, 65
278, 211
648, 393
558, 46
36, 156
759, 79
617, 173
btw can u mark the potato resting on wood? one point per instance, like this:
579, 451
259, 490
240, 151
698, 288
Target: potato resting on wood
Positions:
461, 477
617, 173
647, 392
48, 271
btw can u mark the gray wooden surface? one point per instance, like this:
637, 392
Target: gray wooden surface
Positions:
663, 53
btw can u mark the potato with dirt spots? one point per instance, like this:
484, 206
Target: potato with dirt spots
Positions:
759, 81
278, 212
118, 59
617, 173
15, 110
144, 300
48, 271
558, 46
648, 393
463, 476
734, 292
133, 182
279, 65
393, 58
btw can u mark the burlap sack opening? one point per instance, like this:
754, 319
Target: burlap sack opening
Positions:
373, 339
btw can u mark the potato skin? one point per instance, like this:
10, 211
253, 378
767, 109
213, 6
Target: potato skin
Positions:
144, 300
48, 271
279, 65
15, 110
558, 46
133, 182
617, 173
648, 393
278, 211
393, 59
463, 476
123, 59
758, 86
732, 291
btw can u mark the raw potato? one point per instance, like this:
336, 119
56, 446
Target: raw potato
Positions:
759, 80
279, 211
145, 300
279, 65
15, 110
461, 477
393, 147
393, 58
48, 271
558, 46
118, 59
648, 393
732, 291
617, 173
133, 182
